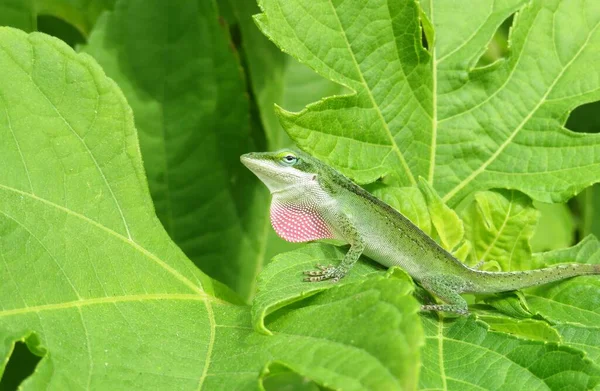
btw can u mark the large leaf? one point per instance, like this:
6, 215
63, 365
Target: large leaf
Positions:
83, 253
429, 113
188, 96
92, 281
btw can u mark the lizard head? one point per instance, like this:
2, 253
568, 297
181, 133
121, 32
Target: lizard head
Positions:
299, 204
283, 170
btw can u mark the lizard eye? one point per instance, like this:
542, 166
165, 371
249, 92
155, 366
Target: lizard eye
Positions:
289, 159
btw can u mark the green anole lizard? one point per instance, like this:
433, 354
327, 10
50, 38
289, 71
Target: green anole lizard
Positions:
311, 201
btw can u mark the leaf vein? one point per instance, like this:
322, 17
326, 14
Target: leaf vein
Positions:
132, 243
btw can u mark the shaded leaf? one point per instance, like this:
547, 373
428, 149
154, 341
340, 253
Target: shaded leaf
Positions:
509, 303
80, 13
192, 113
555, 229
19, 14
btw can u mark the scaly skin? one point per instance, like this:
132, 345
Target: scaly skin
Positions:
313, 201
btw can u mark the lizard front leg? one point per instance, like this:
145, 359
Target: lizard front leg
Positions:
335, 273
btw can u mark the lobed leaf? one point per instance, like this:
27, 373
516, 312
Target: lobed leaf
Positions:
431, 113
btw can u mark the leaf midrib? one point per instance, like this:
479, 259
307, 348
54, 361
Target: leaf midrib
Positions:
507, 217
434, 116
394, 146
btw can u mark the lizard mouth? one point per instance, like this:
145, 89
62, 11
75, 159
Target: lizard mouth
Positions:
252, 163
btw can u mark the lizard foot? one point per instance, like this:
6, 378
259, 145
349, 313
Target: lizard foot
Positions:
329, 272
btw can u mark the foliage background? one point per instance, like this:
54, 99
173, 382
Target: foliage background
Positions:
201, 80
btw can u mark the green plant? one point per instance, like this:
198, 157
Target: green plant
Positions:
121, 191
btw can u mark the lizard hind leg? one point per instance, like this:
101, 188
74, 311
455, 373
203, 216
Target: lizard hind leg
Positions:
446, 288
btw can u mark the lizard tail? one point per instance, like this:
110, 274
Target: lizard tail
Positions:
490, 282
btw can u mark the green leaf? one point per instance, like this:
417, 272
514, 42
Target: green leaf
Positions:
445, 220
509, 303
351, 131
586, 251
410, 202
371, 328
555, 228
430, 113
532, 329
80, 13
584, 337
93, 283
464, 355
499, 224
19, 14
281, 282
574, 300
86, 264
302, 86
572, 305
589, 206
192, 113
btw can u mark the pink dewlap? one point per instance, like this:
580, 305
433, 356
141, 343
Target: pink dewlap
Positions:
298, 223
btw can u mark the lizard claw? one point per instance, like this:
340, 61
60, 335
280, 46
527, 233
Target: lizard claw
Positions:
329, 272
